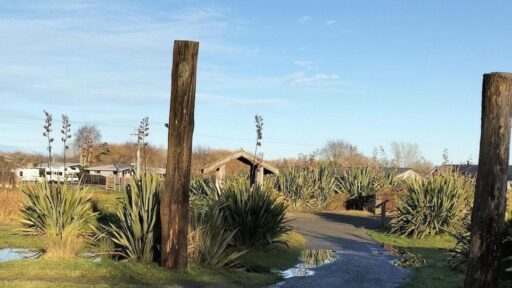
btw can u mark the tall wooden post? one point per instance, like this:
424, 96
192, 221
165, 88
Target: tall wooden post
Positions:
174, 209
487, 220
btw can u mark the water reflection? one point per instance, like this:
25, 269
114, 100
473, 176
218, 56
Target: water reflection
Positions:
310, 258
9, 254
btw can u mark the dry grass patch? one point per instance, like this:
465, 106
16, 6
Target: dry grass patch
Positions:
10, 201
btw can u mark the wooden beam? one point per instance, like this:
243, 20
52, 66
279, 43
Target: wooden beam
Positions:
174, 206
488, 216
241, 156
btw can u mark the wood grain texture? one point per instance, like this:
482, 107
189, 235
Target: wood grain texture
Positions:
174, 206
488, 216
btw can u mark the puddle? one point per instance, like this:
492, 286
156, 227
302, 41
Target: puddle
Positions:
310, 259
9, 254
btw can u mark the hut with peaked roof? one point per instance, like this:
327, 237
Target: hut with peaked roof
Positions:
258, 168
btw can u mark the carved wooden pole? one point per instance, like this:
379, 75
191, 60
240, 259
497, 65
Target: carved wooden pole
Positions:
174, 209
487, 220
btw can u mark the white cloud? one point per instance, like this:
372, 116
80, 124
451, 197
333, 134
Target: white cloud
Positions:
302, 78
304, 64
304, 19
239, 101
329, 23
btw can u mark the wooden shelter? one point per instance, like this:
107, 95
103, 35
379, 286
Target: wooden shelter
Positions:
258, 168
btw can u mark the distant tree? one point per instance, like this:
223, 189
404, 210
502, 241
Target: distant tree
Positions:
446, 160
342, 153
406, 154
85, 139
104, 150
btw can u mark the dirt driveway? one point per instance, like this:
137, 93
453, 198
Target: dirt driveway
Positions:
360, 263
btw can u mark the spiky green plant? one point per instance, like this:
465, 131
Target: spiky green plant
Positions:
306, 188
435, 205
210, 241
361, 182
62, 214
139, 215
256, 215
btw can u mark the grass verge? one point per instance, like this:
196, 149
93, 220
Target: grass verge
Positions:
437, 272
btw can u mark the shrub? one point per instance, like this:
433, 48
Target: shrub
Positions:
139, 224
257, 217
210, 241
61, 213
307, 188
435, 205
360, 183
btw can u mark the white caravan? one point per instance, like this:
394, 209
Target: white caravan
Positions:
27, 174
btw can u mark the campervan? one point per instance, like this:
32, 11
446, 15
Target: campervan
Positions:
59, 175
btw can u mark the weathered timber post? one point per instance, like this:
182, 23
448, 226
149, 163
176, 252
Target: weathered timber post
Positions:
174, 209
488, 216
220, 174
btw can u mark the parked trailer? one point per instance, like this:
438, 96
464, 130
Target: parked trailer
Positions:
28, 174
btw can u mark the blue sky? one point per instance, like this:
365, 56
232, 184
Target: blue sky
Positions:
368, 72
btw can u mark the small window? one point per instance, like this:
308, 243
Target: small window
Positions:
98, 171
48, 173
21, 173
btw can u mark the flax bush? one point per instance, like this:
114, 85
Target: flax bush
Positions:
256, 215
307, 188
61, 214
139, 212
211, 242
432, 206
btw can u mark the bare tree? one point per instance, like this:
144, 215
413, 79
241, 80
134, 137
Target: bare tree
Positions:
406, 154
342, 153
85, 139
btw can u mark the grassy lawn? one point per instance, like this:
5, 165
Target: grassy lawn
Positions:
107, 273
437, 272
80, 272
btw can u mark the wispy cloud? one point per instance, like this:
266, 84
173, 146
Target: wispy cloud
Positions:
329, 23
239, 101
304, 19
303, 78
304, 64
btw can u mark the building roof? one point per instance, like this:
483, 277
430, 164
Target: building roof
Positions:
466, 169
111, 167
57, 165
243, 157
397, 170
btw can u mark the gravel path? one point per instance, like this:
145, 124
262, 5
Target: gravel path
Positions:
362, 263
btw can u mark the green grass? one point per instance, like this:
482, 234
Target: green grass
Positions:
81, 272
437, 272
107, 273
10, 238
276, 256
